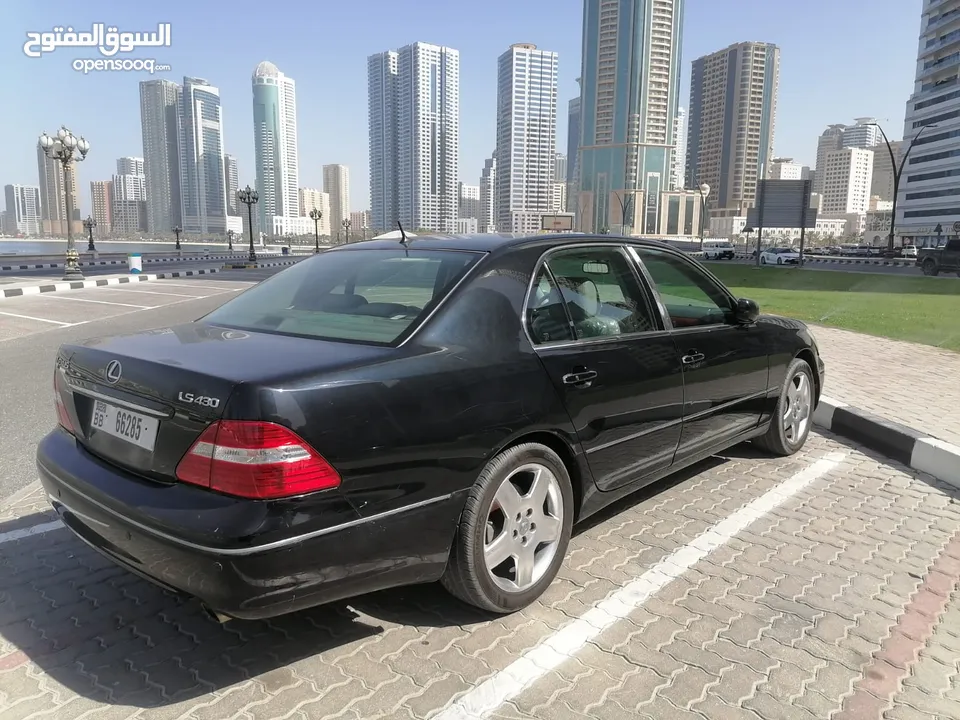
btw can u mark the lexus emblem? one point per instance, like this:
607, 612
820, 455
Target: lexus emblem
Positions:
113, 372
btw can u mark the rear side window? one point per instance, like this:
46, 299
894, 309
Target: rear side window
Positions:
369, 296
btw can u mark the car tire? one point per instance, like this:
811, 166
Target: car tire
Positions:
779, 261
763, 260
930, 268
798, 396
468, 576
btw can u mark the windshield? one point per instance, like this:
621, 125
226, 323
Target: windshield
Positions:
371, 296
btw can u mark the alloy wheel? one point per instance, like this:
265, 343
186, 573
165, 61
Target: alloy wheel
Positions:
523, 528
797, 408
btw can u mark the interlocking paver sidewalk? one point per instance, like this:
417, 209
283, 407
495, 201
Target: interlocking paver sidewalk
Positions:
916, 385
780, 623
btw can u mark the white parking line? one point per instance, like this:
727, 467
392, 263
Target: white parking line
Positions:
30, 317
28, 531
154, 292
55, 296
534, 664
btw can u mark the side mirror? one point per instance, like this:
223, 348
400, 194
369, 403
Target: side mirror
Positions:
747, 311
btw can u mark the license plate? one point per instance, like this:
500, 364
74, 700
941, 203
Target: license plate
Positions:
141, 430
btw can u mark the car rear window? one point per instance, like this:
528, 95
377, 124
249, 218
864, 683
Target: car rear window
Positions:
368, 296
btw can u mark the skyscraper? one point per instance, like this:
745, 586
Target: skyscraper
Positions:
733, 107
469, 202
488, 199
232, 176
160, 129
275, 144
336, 184
414, 123
203, 193
630, 84
128, 195
54, 187
573, 152
830, 139
23, 210
312, 199
101, 198
864, 133
679, 157
526, 136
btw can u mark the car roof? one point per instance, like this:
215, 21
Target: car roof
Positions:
490, 242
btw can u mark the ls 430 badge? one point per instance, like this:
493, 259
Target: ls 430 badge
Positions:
205, 401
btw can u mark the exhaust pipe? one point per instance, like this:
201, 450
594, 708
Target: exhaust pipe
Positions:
217, 617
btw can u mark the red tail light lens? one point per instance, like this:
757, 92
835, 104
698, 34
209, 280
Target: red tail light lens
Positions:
63, 417
257, 460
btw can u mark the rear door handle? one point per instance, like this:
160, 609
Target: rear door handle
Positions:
579, 378
693, 358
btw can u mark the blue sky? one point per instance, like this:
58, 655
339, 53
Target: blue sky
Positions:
840, 59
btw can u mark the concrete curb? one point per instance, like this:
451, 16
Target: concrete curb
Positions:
845, 261
90, 263
914, 449
102, 282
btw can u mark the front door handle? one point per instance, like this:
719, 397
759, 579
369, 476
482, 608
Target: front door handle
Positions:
583, 377
693, 358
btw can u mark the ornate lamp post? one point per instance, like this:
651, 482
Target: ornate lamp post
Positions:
176, 231
67, 149
346, 231
704, 190
316, 215
230, 240
90, 224
249, 197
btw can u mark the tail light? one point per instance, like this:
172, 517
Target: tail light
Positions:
63, 417
257, 460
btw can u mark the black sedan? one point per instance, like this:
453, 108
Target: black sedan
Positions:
392, 413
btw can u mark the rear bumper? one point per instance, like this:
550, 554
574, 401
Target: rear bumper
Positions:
236, 577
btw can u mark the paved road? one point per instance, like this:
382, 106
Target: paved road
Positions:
91, 271
32, 327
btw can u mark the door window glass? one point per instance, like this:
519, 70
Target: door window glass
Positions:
546, 317
601, 292
690, 296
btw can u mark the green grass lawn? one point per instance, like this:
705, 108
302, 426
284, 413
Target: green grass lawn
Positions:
916, 309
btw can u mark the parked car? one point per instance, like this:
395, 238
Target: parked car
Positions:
442, 409
779, 256
946, 258
718, 250
910, 251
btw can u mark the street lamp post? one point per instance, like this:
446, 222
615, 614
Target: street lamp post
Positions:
316, 215
90, 224
625, 203
897, 173
176, 231
249, 198
704, 190
230, 235
67, 149
346, 230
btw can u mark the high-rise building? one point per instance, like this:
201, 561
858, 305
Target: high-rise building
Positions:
414, 123
24, 215
488, 198
231, 174
573, 137
929, 188
560, 168
54, 187
275, 143
336, 184
129, 166
785, 169
128, 195
526, 137
733, 107
884, 169
679, 157
863, 133
469, 202
360, 223
630, 85
160, 129
203, 191
830, 139
101, 198
848, 173
311, 199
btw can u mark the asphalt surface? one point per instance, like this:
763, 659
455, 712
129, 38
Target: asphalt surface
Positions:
92, 271
33, 327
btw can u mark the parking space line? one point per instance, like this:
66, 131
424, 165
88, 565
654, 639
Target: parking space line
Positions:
54, 296
28, 531
549, 654
154, 292
30, 317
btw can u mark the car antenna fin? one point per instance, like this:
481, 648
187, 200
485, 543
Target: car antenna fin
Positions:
403, 237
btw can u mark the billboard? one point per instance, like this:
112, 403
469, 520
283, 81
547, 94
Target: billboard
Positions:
557, 223
784, 204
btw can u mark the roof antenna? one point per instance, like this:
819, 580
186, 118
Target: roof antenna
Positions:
403, 235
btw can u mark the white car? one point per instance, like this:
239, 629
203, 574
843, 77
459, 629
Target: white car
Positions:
909, 251
779, 256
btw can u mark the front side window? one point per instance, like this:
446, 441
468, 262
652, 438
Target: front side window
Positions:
599, 292
370, 296
690, 296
